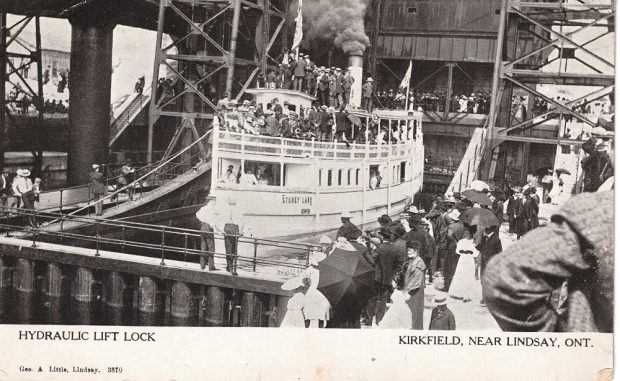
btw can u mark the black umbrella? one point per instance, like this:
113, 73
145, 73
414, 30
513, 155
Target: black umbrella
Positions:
477, 197
345, 272
560, 171
479, 217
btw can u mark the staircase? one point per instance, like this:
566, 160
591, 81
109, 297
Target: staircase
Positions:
127, 112
571, 161
468, 169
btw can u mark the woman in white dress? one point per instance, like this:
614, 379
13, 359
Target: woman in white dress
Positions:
398, 315
316, 307
294, 317
466, 283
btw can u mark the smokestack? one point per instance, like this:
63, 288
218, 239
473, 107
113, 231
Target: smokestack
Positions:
356, 65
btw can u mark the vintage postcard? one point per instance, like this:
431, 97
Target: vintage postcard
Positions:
307, 189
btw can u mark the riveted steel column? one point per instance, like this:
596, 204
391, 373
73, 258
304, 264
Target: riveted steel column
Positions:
23, 283
89, 105
118, 299
6, 281
150, 301
83, 296
53, 293
181, 305
252, 309
215, 303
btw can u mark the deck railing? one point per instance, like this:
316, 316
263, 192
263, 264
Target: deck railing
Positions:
244, 143
171, 241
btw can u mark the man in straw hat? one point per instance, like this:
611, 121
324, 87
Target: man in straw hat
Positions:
23, 188
98, 187
231, 222
207, 215
442, 319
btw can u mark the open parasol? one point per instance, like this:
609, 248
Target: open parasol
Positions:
479, 217
345, 272
560, 171
477, 197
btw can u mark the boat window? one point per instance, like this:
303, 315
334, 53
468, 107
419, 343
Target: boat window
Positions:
329, 178
340, 177
261, 173
375, 177
348, 177
403, 167
357, 176
320, 176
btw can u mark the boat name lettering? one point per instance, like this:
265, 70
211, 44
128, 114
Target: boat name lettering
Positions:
306, 200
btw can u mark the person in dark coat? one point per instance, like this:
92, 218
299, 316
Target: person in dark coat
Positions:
324, 126
497, 207
442, 319
384, 274
489, 247
399, 245
412, 278
520, 215
531, 209
300, 72
323, 93
98, 187
348, 230
342, 124
367, 93
577, 247
511, 212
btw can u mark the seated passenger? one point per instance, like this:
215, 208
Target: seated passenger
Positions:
229, 177
248, 178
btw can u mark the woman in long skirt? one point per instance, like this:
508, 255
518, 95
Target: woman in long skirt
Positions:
294, 317
466, 283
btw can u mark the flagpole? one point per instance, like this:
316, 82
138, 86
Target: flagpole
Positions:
407, 91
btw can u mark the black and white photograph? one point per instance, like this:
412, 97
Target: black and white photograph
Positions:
421, 168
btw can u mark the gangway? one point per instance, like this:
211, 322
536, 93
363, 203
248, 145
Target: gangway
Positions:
127, 112
172, 177
468, 168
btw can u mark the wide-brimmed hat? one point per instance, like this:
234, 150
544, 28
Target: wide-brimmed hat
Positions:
325, 240
331, 109
370, 79
375, 241
413, 209
346, 215
292, 284
25, 173
440, 299
268, 112
96, 166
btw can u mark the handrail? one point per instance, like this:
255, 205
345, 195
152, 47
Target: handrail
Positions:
129, 113
133, 183
163, 247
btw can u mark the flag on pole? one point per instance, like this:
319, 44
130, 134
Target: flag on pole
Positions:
299, 33
405, 83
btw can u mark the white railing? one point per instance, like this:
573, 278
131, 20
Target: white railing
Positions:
244, 143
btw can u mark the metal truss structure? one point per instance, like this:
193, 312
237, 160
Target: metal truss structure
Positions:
225, 45
558, 26
15, 57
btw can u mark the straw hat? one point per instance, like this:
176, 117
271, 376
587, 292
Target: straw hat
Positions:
325, 240
370, 79
346, 215
24, 173
96, 166
441, 299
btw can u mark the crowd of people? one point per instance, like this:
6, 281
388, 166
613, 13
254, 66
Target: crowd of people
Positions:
320, 123
435, 101
20, 190
330, 85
